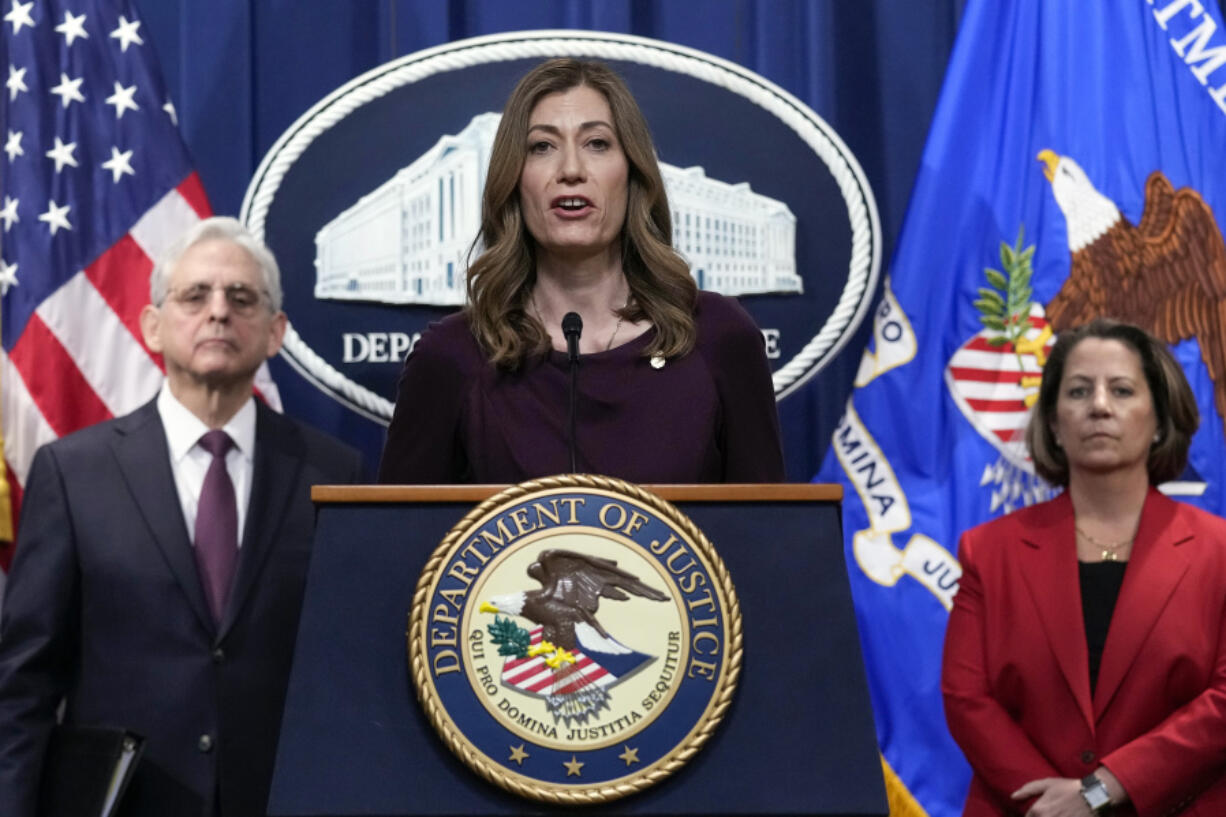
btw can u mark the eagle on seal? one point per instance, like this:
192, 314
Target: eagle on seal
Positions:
1166, 274
565, 606
573, 659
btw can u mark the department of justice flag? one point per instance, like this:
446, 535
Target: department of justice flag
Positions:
95, 183
1074, 168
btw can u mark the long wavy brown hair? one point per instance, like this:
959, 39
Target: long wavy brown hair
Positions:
500, 280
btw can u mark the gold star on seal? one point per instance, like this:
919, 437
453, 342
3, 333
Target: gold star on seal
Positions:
518, 754
630, 755
573, 766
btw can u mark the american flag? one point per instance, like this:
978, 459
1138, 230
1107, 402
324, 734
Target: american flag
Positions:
96, 182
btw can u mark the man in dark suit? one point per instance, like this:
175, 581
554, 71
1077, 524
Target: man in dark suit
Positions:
162, 555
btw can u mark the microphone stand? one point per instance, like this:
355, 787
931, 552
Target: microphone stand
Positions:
572, 328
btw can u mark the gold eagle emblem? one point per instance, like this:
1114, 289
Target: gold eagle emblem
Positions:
1166, 274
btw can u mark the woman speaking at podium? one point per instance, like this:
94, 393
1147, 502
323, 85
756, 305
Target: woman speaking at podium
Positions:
670, 384
1085, 660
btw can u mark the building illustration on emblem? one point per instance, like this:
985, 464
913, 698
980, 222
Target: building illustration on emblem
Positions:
407, 241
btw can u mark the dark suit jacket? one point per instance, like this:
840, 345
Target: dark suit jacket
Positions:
1016, 672
104, 609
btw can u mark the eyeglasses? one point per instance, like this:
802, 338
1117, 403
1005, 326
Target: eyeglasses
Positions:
244, 300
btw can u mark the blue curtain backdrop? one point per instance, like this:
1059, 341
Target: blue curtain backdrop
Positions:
241, 71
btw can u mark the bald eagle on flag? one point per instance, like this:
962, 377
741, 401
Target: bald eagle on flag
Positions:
569, 658
1166, 274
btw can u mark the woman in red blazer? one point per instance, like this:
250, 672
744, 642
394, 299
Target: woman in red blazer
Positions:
1085, 660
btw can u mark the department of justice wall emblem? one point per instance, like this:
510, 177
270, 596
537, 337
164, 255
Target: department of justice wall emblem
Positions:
372, 199
575, 639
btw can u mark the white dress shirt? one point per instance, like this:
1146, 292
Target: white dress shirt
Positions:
189, 462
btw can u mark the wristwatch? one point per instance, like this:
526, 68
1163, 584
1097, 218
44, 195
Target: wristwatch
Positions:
1094, 792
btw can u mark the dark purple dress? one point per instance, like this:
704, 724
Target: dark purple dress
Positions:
706, 417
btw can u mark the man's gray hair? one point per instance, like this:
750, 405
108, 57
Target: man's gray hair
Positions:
227, 229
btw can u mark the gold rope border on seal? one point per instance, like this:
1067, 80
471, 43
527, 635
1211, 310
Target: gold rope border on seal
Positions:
679, 755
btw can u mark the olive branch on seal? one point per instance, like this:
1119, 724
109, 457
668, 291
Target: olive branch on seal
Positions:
510, 638
1005, 307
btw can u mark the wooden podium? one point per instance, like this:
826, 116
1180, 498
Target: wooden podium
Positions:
799, 738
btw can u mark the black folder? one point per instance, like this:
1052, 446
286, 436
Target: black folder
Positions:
87, 769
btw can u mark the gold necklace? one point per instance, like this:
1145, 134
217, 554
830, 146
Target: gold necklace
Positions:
1110, 552
620, 317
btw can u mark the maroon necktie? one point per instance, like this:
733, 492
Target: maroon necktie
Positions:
216, 525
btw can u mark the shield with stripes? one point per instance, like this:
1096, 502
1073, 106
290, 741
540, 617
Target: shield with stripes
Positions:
995, 384
572, 691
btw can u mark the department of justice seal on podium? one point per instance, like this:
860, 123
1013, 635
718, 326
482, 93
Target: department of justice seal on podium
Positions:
575, 639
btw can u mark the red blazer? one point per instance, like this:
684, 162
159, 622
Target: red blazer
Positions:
1016, 675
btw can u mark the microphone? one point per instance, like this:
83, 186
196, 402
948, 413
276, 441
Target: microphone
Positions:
572, 328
